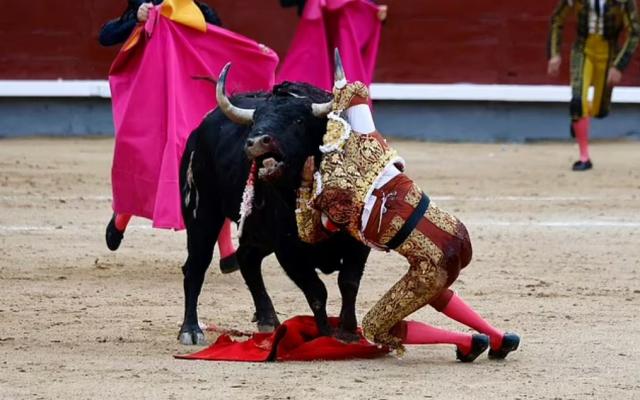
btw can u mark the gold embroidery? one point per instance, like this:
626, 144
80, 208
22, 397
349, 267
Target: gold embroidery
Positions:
419, 246
308, 219
392, 228
418, 286
414, 196
443, 220
342, 97
349, 171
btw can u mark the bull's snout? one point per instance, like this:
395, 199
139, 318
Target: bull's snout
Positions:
263, 140
259, 145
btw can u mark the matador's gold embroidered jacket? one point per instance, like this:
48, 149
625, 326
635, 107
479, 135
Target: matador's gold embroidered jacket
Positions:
618, 15
350, 165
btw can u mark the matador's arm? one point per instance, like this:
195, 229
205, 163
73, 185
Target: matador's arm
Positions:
632, 25
309, 219
555, 31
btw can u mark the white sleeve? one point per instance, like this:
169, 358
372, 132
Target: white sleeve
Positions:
360, 119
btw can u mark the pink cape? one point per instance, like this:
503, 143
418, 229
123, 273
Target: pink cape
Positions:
156, 105
297, 339
350, 25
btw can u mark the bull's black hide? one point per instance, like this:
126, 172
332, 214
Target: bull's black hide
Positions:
213, 173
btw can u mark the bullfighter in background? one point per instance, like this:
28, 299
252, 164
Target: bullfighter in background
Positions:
157, 103
360, 188
352, 26
596, 59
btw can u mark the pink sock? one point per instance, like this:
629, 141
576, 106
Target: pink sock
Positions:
460, 311
581, 131
421, 333
122, 220
225, 244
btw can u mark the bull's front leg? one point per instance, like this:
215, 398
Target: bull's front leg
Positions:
349, 283
201, 238
304, 275
250, 260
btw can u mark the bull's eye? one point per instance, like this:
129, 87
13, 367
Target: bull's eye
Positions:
299, 121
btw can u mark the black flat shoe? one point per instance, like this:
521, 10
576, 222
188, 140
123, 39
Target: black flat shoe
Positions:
510, 342
479, 344
582, 165
113, 235
229, 264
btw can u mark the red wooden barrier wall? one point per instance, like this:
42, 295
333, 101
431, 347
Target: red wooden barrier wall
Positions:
424, 41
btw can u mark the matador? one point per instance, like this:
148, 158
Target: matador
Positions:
360, 187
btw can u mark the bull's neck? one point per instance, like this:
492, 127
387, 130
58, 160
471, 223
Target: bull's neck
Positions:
279, 194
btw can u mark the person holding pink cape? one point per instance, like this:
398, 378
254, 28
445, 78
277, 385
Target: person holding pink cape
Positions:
157, 103
352, 26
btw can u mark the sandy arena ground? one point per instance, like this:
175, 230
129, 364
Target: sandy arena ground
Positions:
556, 258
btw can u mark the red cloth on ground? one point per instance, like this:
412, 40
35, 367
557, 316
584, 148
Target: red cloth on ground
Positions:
296, 339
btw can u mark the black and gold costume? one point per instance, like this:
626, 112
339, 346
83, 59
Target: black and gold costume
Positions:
600, 24
437, 246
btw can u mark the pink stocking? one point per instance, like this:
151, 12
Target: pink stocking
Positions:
421, 333
460, 311
581, 131
122, 220
225, 244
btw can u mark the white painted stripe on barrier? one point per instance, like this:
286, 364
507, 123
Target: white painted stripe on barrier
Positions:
379, 91
477, 92
55, 88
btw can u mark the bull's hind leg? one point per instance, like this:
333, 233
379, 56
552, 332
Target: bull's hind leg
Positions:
349, 284
304, 275
201, 238
250, 260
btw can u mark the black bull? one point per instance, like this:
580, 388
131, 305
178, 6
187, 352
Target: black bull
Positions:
213, 173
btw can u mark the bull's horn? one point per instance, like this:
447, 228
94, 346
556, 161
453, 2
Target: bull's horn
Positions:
238, 115
340, 80
322, 109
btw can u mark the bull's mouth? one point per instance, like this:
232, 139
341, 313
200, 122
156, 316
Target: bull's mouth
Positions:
270, 166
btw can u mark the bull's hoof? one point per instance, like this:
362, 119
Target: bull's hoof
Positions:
229, 264
346, 336
479, 344
113, 236
192, 336
266, 328
266, 325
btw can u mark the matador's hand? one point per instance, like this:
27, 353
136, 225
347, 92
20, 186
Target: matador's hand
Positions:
382, 12
614, 77
554, 65
143, 11
307, 172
